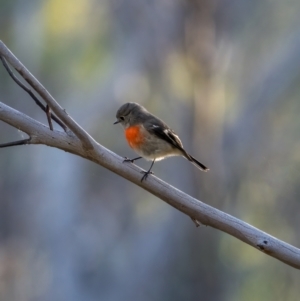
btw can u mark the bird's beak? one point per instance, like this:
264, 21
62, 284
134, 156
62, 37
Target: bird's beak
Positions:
118, 121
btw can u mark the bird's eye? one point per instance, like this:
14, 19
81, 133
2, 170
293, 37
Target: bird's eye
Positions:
122, 118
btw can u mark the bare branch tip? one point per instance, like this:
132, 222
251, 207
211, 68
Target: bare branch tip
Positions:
15, 143
196, 222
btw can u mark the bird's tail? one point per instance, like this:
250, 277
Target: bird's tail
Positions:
195, 162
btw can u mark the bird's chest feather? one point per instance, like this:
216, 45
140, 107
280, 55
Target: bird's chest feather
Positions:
134, 136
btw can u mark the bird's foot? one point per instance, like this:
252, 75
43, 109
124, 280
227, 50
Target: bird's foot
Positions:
131, 160
128, 160
146, 174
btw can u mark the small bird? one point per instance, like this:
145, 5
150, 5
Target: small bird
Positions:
150, 137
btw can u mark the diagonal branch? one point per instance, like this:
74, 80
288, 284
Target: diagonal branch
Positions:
85, 138
205, 214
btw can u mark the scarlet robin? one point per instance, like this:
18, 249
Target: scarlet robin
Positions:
150, 137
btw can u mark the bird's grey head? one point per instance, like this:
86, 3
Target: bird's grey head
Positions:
129, 113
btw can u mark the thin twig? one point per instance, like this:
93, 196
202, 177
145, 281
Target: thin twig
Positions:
32, 95
14, 143
196, 222
48, 113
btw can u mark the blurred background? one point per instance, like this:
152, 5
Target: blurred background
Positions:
225, 76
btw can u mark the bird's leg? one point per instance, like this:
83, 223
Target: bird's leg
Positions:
131, 160
146, 173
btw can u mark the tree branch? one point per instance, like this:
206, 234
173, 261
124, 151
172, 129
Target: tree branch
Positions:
51, 102
205, 214
32, 95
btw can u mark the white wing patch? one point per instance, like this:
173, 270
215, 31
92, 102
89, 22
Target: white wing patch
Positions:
168, 131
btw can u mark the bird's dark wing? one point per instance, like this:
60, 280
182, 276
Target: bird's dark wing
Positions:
162, 131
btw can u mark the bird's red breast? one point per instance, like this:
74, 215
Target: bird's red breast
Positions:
134, 136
